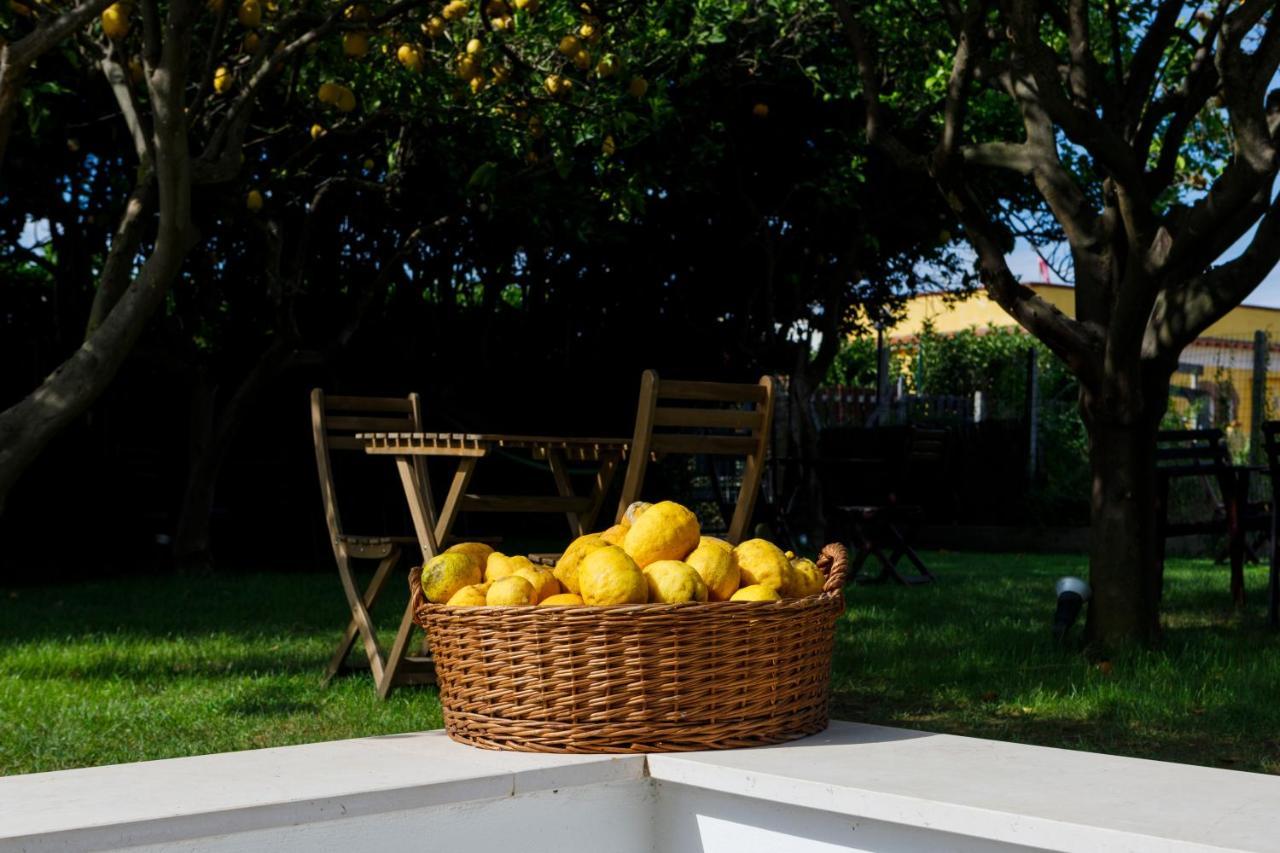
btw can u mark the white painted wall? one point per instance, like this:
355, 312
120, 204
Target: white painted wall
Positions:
696, 820
613, 816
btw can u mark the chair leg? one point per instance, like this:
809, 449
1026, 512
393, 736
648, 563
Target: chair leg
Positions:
902, 548
353, 629
359, 613
398, 649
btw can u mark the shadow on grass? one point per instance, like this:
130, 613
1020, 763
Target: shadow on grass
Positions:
268, 700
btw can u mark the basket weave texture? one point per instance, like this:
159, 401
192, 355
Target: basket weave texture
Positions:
636, 678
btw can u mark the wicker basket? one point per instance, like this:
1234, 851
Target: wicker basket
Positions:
636, 678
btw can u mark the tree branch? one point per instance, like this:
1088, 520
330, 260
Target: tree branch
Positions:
118, 80
17, 57
878, 132
1182, 314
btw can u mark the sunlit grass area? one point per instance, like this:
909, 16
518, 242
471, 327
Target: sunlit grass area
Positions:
154, 667
973, 655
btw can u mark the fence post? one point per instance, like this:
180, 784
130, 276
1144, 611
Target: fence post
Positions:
882, 377
1033, 414
1259, 395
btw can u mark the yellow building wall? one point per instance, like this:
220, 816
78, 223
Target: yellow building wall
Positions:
979, 311
949, 315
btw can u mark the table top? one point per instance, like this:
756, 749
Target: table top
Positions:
480, 444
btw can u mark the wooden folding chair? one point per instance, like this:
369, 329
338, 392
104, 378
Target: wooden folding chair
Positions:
334, 422
717, 418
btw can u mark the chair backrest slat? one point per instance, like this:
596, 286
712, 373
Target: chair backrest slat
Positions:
714, 418
717, 392
347, 423
333, 428
720, 418
340, 403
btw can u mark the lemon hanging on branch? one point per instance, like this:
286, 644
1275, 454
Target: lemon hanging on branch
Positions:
222, 80
250, 14
115, 20
355, 45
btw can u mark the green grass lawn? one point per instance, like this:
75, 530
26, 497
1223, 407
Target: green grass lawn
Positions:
145, 668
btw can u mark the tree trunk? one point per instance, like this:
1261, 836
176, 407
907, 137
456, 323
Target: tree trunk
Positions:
31, 423
1123, 551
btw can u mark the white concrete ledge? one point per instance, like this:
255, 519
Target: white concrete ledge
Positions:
122, 805
1001, 792
854, 787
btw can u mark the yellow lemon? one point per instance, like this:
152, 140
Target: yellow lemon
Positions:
355, 44
566, 570
806, 579
222, 80
410, 57
589, 31
608, 147
455, 9
666, 531
508, 592
634, 511
466, 67
469, 596
477, 551
637, 87
763, 563
499, 565
608, 576
317, 131
582, 60
328, 93
672, 582
756, 592
525, 5
434, 27
564, 599
557, 85
445, 574
249, 14
569, 45
496, 8
358, 12
614, 535
501, 73
717, 565
253, 201
543, 582
115, 21
608, 65
346, 101
475, 47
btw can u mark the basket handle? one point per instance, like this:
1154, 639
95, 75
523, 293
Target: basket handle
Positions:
834, 561
415, 587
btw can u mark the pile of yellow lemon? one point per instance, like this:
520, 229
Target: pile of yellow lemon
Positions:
656, 554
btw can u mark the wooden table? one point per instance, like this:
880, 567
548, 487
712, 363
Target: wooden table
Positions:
433, 527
